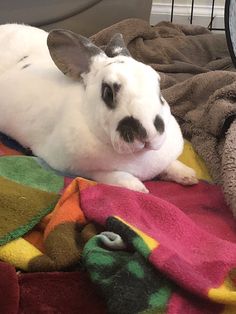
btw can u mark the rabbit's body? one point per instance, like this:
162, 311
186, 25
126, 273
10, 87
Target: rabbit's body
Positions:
62, 120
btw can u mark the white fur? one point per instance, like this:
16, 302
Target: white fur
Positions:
67, 124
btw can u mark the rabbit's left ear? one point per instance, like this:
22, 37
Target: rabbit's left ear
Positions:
117, 47
72, 53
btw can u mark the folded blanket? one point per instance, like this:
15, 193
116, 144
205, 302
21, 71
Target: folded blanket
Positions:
183, 237
192, 63
32, 191
186, 233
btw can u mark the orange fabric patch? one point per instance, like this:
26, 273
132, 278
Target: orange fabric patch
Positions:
68, 207
6, 151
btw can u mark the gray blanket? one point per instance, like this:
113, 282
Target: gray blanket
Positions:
198, 81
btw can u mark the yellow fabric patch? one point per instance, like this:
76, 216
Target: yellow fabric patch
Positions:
229, 309
18, 253
150, 242
225, 294
191, 159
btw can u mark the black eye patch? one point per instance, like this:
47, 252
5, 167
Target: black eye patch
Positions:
159, 124
109, 93
131, 128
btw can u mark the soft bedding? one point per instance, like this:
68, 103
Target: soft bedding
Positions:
80, 246
171, 250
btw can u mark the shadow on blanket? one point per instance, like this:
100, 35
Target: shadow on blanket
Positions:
171, 251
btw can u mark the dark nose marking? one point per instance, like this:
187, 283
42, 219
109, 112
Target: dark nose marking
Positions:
159, 124
131, 129
25, 66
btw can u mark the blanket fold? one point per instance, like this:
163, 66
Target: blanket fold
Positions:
173, 244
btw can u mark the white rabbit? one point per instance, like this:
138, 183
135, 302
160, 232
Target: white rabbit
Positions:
85, 111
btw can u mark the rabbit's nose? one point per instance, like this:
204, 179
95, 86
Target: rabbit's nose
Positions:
147, 145
131, 129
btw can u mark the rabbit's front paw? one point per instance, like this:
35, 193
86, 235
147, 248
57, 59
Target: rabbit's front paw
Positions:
187, 177
180, 173
133, 184
119, 178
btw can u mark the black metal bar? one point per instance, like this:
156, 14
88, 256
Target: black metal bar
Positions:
172, 10
216, 29
191, 16
228, 31
212, 15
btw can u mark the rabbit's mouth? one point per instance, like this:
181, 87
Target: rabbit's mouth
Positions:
124, 148
155, 144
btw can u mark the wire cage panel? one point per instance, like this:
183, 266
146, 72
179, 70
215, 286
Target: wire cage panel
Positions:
210, 14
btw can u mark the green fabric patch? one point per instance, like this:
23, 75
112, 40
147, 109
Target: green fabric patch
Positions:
96, 277
21, 208
135, 268
130, 284
159, 299
101, 259
141, 246
27, 171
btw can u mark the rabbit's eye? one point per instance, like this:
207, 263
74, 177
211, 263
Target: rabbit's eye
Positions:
107, 95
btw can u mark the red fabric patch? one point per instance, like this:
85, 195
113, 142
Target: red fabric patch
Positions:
58, 292
9, 289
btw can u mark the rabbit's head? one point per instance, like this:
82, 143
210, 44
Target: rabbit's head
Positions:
123, 102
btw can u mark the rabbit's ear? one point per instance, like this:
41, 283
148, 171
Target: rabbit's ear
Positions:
117, 47
71, 52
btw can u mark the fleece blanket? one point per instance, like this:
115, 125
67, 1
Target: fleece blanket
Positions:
172, 251
198, 81
58, 292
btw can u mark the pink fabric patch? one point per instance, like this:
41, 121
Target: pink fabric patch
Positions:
195, 229
185, 303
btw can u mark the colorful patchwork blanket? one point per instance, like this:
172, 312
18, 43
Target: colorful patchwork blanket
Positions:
170, 251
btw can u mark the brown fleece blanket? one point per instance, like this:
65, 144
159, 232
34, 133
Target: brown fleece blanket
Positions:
198, 81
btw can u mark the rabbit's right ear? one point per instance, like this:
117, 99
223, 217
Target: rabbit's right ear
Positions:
116, 47
72, 53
